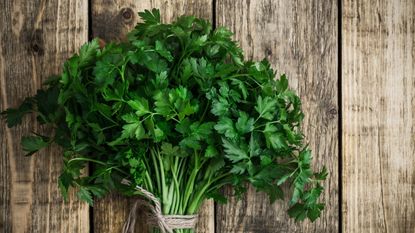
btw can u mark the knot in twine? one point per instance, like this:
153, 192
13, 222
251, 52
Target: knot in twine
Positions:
155, 216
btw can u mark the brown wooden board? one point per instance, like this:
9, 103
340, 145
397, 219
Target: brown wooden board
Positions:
35, 39
300, 39
378, 92
111, 20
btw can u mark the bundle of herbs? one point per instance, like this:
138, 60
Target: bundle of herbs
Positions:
177, 111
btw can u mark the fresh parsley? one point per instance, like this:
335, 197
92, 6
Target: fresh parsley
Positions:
179, 111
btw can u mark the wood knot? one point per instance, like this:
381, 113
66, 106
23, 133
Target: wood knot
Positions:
36, 48
36, 42
268, 51
127, 15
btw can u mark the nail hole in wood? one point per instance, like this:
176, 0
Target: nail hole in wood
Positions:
332, 113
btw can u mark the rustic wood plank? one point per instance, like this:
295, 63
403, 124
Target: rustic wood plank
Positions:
300, 39
111, 20
378, 92
35, 39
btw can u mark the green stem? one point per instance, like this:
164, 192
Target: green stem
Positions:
149, 183
272, 122
197, 200
243, 75
164, 189
156, 170
97, 162
189, 187
176, 185
205, 112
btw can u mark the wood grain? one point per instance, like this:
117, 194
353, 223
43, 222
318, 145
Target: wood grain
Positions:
111, 20
300, 39
35, 38
378, 72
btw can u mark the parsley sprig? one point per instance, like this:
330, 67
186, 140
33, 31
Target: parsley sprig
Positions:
177, 110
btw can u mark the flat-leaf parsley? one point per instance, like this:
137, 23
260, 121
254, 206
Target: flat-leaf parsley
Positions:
177, 110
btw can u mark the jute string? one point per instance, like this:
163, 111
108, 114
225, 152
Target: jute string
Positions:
155, 217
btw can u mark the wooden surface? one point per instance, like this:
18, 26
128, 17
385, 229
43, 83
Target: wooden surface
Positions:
35, 39
300, 39
111, 20
371, 96
378, 70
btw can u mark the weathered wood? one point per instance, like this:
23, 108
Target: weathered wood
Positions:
111, 212
378, 92
35, 39
111, 20
300, 39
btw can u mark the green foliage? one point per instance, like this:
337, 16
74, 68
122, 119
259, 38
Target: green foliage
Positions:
32, 144
175, 109
14, 116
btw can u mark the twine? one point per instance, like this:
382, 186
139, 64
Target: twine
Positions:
155, 217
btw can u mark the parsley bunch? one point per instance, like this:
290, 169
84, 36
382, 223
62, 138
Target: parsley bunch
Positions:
177, 110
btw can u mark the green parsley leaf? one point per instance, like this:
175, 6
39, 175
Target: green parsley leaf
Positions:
233, 152
266, 107
140, 105
85, 195
244, 124
14, 116
226, 127
32, 144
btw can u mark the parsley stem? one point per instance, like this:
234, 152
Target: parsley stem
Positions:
164, 189
97, 162
272, 122
156, 170
205, 112
176, 184
243, 75
149, 185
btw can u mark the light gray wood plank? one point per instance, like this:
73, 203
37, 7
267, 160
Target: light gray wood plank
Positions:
378, 92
